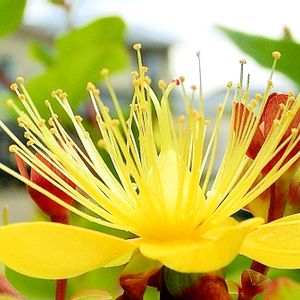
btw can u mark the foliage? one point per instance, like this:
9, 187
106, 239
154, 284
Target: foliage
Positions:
11, 13
259, 48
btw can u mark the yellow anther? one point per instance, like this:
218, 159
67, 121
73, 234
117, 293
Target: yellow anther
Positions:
276, 54
143, 107
147, 80
137, 47
98, 118
258, 96
14, 87
270, 83
294, 131
101, 143
96, 92
41, 123
86, 134
115, 122
276, 122
182, 79
27, 135
104, 72
30, 143
219, 107
22, 97
134, 74
136, 82
90, 86
47, 103
242, 61
162, 84
54, 94
193, 87
13, 148
207, 122
144, 69
53, 131
78, 118
229, 84
51, 121
181, 119
106, 109
20, 79
254, 102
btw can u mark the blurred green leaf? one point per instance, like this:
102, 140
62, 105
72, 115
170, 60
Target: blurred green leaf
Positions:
31, 288
80, 55
11, 13
260, 48
282, 289
41, 53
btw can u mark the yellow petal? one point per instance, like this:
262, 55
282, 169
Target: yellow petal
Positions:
52, 250
276, 244
211, 252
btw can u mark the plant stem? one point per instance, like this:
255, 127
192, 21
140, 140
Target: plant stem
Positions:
61, 288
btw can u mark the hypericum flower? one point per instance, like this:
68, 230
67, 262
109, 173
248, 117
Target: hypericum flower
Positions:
160, 189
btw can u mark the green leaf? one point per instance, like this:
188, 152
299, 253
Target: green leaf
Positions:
261, 48
41, 53
80, 55
31, 288
11, 13
282, 289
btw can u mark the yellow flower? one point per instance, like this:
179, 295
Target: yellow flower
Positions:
160, 188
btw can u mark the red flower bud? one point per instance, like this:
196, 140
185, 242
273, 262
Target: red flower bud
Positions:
55, 211
272, 111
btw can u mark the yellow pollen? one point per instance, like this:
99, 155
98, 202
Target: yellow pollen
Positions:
134, 74
115, 122
207, 122
47, 103
162, 84
22, 97
104, 72
270, 83
96, 92
181, 119
136, 82
30, 143
41, 123
27, 135
137, 47
276, 54
147, 80
258, 96
254, 102
20, 79
90, 87
101, 144
14, 87
78, 118
229, 84
53, 130
13, 148
182, 79
144, 69
193, 87
143, 107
